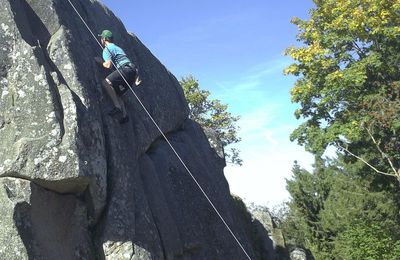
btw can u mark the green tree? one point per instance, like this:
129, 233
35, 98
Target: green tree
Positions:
336, 214
303, 226
211, 113
349, 81
358, 213
348, 89
366, 241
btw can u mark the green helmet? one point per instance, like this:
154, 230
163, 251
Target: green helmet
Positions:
106, 34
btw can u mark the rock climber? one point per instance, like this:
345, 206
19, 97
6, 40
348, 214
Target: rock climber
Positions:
114, 84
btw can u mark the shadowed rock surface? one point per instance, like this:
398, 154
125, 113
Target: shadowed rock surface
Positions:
74, 183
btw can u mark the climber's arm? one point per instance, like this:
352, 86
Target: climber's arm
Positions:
107, 57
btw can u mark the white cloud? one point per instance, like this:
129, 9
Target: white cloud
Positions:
256, 83
205, 31
259, 118
266, 69
266, 124
267, 163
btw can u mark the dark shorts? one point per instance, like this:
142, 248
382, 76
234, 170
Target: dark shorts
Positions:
118, 83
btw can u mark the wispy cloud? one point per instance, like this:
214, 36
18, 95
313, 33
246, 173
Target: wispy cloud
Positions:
257, 81
268, 157
263, 99
206, 31
259, 118
263, 70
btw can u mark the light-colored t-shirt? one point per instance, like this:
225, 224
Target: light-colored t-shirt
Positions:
116, 54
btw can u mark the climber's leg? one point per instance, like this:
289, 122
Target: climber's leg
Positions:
113, 95
123, 108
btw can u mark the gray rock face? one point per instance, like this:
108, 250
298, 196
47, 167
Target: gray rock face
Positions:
269, 233
74, 183
41, 224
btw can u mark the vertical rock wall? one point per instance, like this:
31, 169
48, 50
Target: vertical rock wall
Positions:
74, 183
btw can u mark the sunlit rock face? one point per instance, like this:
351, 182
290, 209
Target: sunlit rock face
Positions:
74, 183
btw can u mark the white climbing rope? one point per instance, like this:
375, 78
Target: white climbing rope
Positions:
166, 139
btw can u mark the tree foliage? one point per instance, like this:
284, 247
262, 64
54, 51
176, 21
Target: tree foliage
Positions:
349, 80
348, 89
336, 214
365, 241
303, 225
211, 113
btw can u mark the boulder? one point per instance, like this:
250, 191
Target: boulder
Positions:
39, 224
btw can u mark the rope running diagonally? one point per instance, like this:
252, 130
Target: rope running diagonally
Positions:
166, 139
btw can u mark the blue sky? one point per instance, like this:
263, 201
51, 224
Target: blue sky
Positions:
235, 50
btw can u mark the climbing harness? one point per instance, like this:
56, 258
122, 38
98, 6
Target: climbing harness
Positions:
164, 136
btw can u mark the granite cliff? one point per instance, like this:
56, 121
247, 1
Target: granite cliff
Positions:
74, 183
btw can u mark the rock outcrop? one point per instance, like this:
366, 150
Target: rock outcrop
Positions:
267, 231
74, 183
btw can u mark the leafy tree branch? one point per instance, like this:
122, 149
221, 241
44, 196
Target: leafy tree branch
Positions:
211, 113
